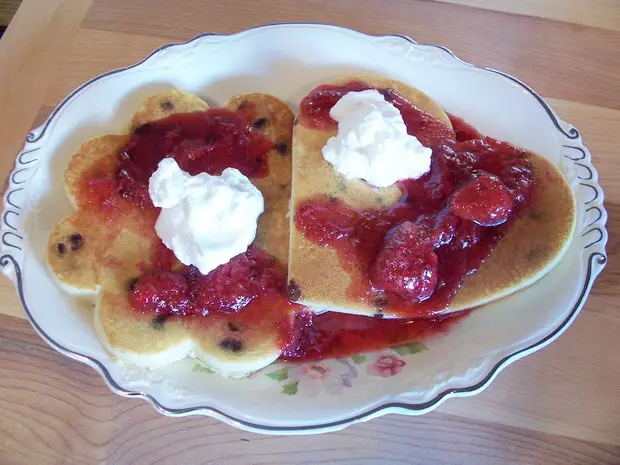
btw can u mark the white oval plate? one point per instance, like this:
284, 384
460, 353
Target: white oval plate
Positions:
288, 60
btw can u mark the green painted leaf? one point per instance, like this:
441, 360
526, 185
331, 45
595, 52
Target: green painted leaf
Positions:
290, 388
357, 359
409, 348
278, 375
198, 367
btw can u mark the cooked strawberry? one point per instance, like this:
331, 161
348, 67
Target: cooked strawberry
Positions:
406, 264
161, 292
484, 200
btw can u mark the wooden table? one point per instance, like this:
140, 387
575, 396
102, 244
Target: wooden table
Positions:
559, 406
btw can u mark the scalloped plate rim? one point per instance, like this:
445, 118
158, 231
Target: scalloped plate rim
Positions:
571, 133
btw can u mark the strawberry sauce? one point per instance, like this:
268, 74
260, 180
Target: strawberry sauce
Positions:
331, 335
413, 255
409, 259
314, 112
208, 141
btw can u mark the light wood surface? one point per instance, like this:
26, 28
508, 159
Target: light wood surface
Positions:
597, 13
558, 406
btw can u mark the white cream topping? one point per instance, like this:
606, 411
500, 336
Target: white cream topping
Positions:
205, 220
372, 141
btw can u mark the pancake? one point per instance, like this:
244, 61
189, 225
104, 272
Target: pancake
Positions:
533, 246
100, 255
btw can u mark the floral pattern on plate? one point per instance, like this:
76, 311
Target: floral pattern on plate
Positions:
333, 376
461, 364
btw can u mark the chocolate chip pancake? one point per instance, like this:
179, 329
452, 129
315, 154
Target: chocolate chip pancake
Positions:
108, 243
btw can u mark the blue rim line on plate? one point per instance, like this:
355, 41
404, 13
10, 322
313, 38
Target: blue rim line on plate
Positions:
601, 259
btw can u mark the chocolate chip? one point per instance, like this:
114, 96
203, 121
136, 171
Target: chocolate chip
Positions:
234, 345
142, 129
378, 315
166, 105
282, 147
534, 255
380, 303
259, 123
160, 320
61, 248
535, 215
131, 284
283, 187
389, 95
294, 291
233, 327
77, 241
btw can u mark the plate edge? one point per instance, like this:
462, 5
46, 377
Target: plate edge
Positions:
595, 259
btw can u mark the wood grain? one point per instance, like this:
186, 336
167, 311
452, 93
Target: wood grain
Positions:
75, 419
95, 52
597, 13
29, 63
10, 302
585, 61
558, 406
570, 387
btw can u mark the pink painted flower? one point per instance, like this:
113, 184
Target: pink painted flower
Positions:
330, 376
385, 366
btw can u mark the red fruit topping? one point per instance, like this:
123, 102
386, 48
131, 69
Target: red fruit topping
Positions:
100, 193
406, 264
484, 200
463, 130
406, 259
442, 227
461, 245
208, 141
163, 258
315, 107
161, 292
232, 286
332, 334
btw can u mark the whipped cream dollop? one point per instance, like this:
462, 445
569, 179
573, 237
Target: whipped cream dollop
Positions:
205, 220
372, 141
